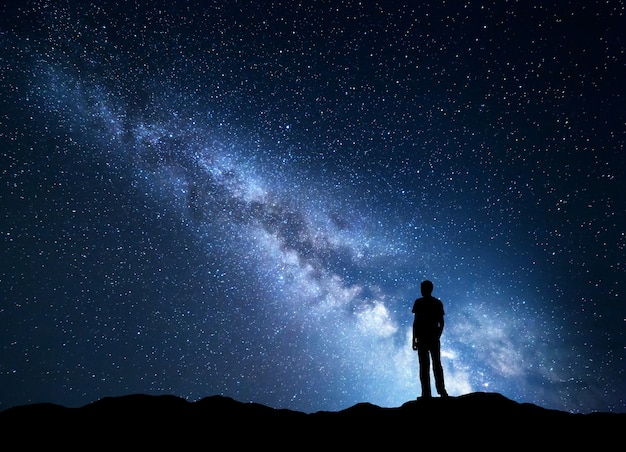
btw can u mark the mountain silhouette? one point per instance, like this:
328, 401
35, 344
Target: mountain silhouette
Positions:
487, 420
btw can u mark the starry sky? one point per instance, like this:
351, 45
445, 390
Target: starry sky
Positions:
241, 198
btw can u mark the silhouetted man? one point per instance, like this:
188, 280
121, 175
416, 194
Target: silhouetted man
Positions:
427, 329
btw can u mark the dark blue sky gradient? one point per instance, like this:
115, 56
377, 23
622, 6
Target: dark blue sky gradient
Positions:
241, 198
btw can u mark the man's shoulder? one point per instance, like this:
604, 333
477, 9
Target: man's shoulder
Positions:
419, 304
433, 301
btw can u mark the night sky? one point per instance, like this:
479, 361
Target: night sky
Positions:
242, 198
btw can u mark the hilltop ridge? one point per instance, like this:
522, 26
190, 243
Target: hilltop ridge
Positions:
488, 420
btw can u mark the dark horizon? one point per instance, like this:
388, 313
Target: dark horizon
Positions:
489, 420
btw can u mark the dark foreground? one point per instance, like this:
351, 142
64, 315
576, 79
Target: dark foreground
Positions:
486, 420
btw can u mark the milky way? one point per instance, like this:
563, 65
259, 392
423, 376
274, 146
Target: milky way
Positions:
242, 198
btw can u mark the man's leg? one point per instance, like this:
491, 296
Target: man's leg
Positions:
424, 361
438, 371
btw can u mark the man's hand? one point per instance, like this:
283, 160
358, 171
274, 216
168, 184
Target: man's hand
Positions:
415, 343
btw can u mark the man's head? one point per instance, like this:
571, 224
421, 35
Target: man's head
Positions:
426, 287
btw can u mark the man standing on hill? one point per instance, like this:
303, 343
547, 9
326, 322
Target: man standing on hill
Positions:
427, 328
